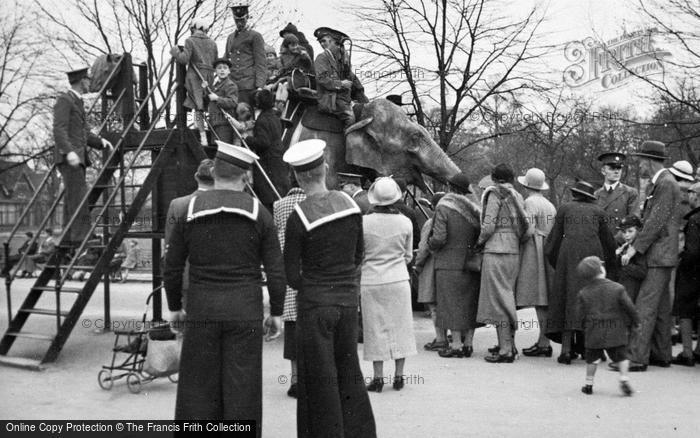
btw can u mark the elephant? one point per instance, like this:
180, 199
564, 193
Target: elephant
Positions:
100, 71
385, 142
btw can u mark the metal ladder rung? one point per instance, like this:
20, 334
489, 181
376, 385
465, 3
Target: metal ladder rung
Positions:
72, 290
50, 312
109, 205
29, 335
130, 168
113, 186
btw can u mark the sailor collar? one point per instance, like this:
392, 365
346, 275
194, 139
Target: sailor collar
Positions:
315, 211
216, 201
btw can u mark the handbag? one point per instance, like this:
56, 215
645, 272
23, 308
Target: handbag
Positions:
163, 357
473, 261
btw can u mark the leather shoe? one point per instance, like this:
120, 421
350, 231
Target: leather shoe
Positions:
435, 345
637, 367
292, 392
500, 358
566, 358
683, 360
467, 351
626, 388
398, 383
659, 363
376, 385
451, 352
587, 389
536, 350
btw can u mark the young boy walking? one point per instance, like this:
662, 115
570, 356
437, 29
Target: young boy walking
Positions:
606, 314
223, 96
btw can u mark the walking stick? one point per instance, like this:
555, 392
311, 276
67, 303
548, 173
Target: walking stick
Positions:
238, 134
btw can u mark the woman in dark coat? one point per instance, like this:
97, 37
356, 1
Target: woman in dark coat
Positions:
580, 230
267, 143
455, 231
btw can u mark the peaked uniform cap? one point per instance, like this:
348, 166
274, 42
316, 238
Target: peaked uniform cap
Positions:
236, 155
612, 158
76, 75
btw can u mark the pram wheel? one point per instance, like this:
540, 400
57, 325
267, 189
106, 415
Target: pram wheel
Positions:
173, 378
104, 379
133, 382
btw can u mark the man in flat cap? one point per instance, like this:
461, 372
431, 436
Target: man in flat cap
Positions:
336, 84
351, 184
226, 235
322, 256
658, 241
72, 137
618, 200
245, 49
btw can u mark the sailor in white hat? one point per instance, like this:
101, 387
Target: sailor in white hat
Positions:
226, 235
323, 254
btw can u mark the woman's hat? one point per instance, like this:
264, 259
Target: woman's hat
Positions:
654, 150
683, 170
534, 179
503, 173
583, 188
384, 191
199, 23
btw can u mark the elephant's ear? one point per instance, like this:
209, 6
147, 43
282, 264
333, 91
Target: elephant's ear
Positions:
361, 148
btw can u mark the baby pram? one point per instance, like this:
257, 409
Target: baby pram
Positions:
142, 355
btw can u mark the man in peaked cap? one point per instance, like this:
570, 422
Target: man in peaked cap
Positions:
226, 235
336, 83
658, 241
245, 48
618, 200
72, 137
351, 184
322, 256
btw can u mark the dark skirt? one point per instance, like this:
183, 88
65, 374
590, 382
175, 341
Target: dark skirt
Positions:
457, 296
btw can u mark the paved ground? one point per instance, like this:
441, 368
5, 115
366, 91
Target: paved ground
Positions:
446, 397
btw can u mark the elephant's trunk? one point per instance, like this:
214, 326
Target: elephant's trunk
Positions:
434, 162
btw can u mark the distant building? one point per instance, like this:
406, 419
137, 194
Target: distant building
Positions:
18, 182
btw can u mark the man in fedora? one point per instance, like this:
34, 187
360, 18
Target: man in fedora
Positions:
532, 288
615, 198
72, 137
245, 49
658, 240
322, 255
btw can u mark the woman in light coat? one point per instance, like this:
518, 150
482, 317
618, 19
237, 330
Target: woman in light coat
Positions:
535, 274
387, 319
503, 226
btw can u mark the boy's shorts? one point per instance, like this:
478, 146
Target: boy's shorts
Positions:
617, 354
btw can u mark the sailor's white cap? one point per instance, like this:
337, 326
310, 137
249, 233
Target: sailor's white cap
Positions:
236, 155
305, 155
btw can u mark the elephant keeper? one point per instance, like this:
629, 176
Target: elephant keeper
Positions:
322, 255
72, 137
226, 235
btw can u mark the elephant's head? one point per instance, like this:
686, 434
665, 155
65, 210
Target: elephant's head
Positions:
100, 71
387, 141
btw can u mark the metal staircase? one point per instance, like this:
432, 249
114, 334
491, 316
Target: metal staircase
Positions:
102, 200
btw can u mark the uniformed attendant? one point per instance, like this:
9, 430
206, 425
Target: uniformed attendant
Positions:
226, 235
351, 184
322, 256
246, 50
72, 137
618, 200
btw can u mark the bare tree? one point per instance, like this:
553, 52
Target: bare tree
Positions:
24, 96
453, 54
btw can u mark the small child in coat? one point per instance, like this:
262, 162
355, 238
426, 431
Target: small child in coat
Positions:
200, 51
606, 313
223, 97
244, 122
633, 273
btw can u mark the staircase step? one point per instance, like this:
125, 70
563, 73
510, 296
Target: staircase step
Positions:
21, 362
50, 312
113, 186
30, 335
75, 290
109, 205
